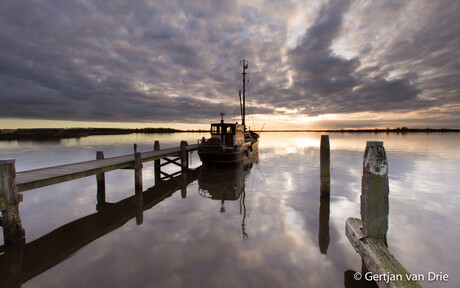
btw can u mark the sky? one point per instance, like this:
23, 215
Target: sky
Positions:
312, 64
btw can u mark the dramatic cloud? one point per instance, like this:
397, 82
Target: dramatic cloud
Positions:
162, 61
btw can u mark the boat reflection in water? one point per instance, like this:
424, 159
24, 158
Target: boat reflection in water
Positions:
227, 183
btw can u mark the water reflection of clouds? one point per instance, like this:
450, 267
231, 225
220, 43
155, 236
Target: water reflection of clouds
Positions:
47, 208
187, 258
188, 242
342, 208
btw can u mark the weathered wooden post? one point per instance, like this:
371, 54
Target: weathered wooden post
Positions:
138, 171
368, 234
100, 178
135, 147
325, 161
157, 163
9, 203
184, 167
374, 191
138, 187
139, 202
325, 187
183, 156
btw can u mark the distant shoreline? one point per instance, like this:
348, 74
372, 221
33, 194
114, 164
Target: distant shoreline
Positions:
61, 133
64, 133
377, 130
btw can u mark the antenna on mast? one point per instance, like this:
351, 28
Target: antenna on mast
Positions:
241, 104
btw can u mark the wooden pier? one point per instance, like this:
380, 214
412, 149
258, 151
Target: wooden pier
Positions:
23, 261
36, 178
13, 182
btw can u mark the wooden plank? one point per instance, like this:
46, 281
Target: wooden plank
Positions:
31, 179
159, 154
377, 258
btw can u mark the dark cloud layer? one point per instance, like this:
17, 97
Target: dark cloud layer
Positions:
332, 84
163, 61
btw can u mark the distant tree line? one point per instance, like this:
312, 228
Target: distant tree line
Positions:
60, 133
376, 130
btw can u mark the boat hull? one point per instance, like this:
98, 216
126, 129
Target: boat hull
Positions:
218, 156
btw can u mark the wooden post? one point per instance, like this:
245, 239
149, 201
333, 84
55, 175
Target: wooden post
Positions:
100, 178
184, 167
139, 199
183, 156
138, 172
374, 191
135, 147
138, 187
157, 163
9, 203
325, 166
183, 185
368, 234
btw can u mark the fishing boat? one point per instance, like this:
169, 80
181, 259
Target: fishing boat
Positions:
230, 143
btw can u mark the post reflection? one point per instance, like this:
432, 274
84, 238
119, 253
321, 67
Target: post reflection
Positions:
21, 262
323, 233
227, 183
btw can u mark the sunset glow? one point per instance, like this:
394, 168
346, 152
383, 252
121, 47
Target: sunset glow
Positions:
312, 65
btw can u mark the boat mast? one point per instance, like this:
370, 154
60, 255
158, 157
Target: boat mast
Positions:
245, 66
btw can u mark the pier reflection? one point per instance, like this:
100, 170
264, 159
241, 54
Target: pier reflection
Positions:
21, 262
227, 183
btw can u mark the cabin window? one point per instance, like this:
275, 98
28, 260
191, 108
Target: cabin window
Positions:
228, 130
215, 130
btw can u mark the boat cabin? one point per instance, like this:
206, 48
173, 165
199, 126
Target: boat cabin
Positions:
230, 135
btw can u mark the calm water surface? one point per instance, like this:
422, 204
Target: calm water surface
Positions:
262, 225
